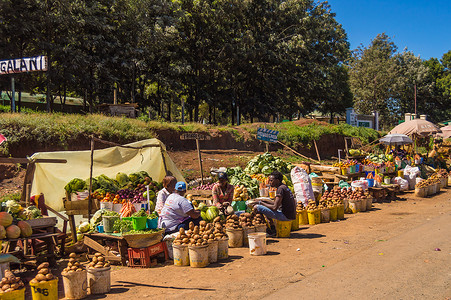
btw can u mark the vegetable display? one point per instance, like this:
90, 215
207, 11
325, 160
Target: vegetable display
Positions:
76, 185
122, 226
200, 235
266, 164
240, 193
98, 261
239, 178
141, 213
205, 187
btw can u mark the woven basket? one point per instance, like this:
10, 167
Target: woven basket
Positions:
143, 240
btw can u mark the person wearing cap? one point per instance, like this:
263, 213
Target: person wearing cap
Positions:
222, 191
168, 188
177, 211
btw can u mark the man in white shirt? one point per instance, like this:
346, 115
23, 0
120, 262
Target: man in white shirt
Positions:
177, 211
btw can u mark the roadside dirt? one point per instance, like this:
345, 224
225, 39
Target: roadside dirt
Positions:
312, 250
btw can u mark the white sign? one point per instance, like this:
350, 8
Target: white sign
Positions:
20, 65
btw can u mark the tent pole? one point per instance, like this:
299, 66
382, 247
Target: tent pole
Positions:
90, 180
164, 160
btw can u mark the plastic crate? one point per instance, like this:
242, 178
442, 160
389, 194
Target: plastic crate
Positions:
138, 258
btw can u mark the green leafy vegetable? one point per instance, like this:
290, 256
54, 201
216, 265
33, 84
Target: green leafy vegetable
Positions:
122, 225
141, 213
75, 185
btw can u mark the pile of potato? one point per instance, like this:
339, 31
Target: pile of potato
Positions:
300, 207
326, 204
245, 219
336, 195
233, 221
258, 219
73, 265
98, 261
44, 274
200, 235
358, 194
311, 205
10, 283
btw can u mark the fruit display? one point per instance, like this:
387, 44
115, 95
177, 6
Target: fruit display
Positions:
73, 265
207, 213
233, 221
98, 261
10, 283
300, 207
44, 274
240, 193
260, 177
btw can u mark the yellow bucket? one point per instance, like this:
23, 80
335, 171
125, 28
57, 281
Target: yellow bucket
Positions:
314, 216
302, 217
14, 295
344, 171
334, 213
283, 228
295, 224
45, 290
401, 173
340, 212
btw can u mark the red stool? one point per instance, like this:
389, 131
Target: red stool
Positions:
141, 257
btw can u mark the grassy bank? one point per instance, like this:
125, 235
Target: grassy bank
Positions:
63, 130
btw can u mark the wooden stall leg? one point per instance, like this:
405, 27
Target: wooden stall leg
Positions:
123, 251
73, 228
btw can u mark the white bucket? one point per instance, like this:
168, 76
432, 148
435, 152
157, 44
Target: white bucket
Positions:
106, 205
99, 280
181, 255
75, 285
223, 249
213, 252
246, 231
198, 256
257, 243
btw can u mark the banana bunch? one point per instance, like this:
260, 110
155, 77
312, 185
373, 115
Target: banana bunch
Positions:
259, 177
240, 193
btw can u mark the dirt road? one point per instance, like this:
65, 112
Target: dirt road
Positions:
388, 252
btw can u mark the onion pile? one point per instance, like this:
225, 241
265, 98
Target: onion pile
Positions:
10, 283
44, 274
73, 265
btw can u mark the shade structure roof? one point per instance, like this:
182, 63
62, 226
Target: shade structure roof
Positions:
396, 139
446, 132
417, 126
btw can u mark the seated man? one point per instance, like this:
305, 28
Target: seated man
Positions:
177, 211
283, 208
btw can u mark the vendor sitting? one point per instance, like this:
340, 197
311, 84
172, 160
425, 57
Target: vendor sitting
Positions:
283, 208
168, 188
177, 211
222, 191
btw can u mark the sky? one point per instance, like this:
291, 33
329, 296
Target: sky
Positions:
424, 27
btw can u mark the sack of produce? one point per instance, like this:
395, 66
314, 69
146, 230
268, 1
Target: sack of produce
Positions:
302, 185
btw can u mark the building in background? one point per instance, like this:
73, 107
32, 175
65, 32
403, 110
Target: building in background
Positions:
368, 121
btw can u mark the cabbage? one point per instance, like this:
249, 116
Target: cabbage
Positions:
13, 207
84, 227
122, 178
32, 212
97, 217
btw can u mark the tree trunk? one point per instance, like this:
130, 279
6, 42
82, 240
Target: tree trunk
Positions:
169, 110
233, 113
19, 102
209, 114
214, 116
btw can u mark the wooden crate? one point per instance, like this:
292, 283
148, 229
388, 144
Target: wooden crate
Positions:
80, 207
45, 221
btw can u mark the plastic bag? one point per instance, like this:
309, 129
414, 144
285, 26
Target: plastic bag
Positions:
343, 184
363, 184
403, 183
302, 185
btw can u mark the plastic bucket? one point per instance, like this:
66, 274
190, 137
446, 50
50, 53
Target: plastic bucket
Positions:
334, 213
246, 231
117, 207
295, 223
325, 215
235, 237
14, 295
352, 169
401, 173
283, 228
370, 182
387, 180
45, 290
152, 223
340, 212
346, 206
257, 243
444, 182
99, 280
139, 223
181, 255
213, 252
354, 207
198, 256
420, 192
260, 228
75, 285
432, 189
106, 205
302, 217
223, 249
344, 171
108, 222
362, 204
314, 216
369, 203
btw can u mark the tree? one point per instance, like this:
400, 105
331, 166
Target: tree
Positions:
373, 77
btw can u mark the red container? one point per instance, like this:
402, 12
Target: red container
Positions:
138, 258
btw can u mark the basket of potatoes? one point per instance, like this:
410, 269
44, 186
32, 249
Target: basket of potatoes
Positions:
248, 227
75, 279
99, 276
11, 287
44, 285
234, 231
